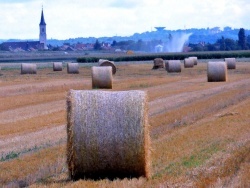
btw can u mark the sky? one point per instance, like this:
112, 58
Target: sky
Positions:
19, 19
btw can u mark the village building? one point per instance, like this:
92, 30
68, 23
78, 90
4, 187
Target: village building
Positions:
29, 45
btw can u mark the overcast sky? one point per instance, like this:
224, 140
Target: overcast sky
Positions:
19, 19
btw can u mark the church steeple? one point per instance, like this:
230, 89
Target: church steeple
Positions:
43, 35
42, 22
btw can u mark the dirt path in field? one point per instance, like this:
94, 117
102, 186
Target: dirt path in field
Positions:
169, 103
29, 142
20, 89
27, 112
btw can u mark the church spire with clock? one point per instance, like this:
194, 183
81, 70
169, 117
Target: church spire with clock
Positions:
43, 35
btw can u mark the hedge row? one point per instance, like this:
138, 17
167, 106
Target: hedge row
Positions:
167, 56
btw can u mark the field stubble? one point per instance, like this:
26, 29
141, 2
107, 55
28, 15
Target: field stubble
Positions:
200, 131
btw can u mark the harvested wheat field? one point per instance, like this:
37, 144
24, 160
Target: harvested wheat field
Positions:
200, 130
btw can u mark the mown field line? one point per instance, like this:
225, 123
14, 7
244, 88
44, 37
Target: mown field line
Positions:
165, 104
42, 138
27, 112
21, 89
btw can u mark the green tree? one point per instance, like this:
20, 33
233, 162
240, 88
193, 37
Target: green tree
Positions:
230, 44
242, 39
97, 45
114, 43
222, 44
248, 41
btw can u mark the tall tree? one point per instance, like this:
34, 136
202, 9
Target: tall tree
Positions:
242, 39
248, 41
97, 45
114, 43
222, 44
230, 44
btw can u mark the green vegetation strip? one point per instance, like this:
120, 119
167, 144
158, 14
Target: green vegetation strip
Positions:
167, 56
189, 162
12, 155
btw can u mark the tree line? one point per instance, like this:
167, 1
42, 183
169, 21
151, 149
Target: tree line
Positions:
222, 44
225, 44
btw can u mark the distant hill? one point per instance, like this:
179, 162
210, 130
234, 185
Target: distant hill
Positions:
207, 35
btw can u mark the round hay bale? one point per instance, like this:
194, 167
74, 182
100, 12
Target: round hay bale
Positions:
216, 71
231, 63
195, 59
158, 63
28, 68
57, 66
107, 134
73, 68
188, 63
173, 65
105, 62
102, 77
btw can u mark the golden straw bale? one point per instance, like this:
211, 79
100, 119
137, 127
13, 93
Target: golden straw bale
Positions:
173, 65
188, 63
73, 68
195, 59
231, 63
102, 77
107, 134
216, 71
105, 62
158, 63
28, 68
57, 66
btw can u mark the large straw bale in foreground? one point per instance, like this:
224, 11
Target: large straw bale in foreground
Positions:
28, 68
107, 134
105, 62
102, 77
216, 71
231, 63
188, 63
73, 68
158, 63
57, 66
173, 65
195, 59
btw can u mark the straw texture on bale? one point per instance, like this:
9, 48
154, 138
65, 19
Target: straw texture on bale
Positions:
105, 62
158, 63
195, 59
73, 68
28, 68
173, 65
107, 134
231, 63
216, 71
57, 66
102, 77
188, 63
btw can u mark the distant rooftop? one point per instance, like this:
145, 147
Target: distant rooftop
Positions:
159, 28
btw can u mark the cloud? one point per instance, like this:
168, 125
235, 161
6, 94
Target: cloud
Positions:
125, 4
84, 18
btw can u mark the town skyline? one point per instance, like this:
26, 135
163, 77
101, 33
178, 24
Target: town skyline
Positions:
73, 19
